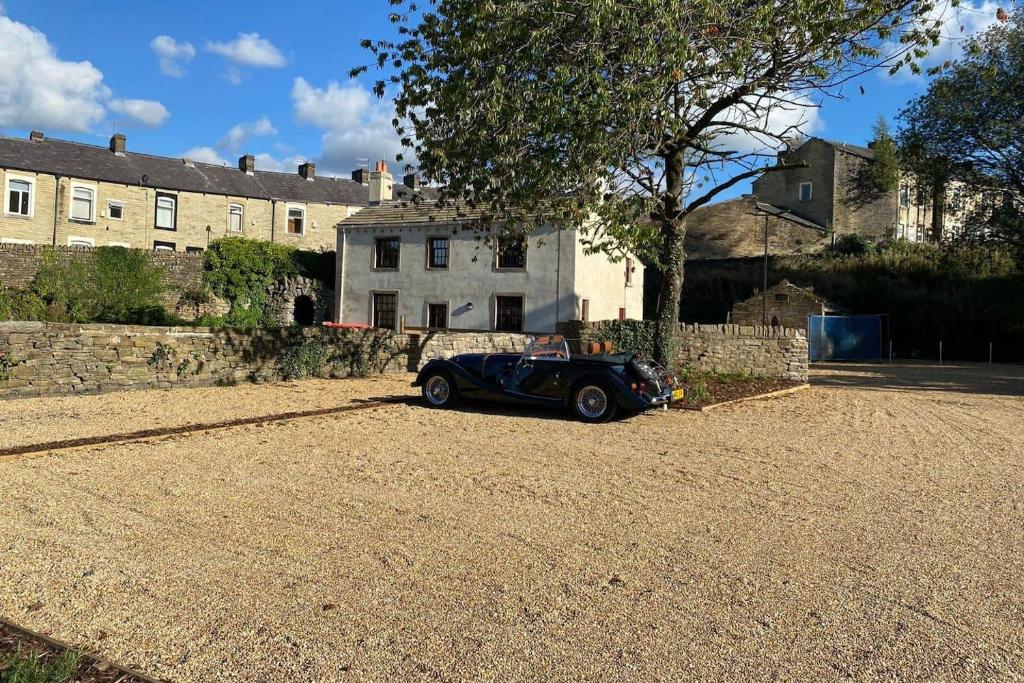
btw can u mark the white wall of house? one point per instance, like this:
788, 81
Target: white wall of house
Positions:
556, 278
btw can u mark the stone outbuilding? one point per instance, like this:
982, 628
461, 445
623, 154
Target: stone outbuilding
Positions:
787, 306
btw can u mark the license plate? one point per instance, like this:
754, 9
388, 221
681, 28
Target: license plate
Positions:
677, 394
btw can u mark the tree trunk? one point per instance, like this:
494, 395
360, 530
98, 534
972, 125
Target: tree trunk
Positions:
673, 256
673, 234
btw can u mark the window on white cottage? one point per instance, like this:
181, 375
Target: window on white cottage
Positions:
82, 202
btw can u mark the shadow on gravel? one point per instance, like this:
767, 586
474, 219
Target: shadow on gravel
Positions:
967, 378
491, 408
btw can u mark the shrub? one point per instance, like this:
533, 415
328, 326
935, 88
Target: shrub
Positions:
851, 245
305, 357
22, 304
113, 284
240, 270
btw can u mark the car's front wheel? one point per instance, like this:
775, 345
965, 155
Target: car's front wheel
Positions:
593, 402
439, 391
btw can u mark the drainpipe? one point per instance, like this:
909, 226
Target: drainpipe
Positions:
273, 217
56, 207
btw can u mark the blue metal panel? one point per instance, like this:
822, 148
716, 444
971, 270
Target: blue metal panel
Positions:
845, 337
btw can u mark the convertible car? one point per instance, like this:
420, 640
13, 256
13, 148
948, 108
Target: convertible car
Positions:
595, 385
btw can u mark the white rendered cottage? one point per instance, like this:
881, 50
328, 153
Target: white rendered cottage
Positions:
426, 266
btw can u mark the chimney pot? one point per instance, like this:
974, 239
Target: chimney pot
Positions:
412, 181
117, 143
361, 176
307, 170
247, 164
382, 166
36, 136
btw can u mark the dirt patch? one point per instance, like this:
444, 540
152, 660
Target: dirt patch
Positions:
703, 391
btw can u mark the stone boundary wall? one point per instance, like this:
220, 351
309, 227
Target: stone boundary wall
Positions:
760, 351
49, 358
19, 264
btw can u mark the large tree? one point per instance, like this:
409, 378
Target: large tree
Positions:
969, 128
621, 118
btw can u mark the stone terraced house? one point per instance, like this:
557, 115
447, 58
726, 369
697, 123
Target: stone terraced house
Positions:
804, 207
64, 193
429, 267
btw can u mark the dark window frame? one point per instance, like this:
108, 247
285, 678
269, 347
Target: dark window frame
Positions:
810, 193
194, 250
504, 320
431, 252
500, 252
376, 309
174, 211
377, 241
115, 204
160, 243
432, 307
290, 222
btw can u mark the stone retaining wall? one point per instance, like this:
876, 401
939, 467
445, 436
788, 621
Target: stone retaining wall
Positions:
759, 351
49, 358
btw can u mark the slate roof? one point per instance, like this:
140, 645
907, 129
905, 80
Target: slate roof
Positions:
409, 214
785, 214
92, 162
856, 150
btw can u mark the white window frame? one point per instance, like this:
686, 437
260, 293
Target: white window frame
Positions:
92, 205
15, 240
126, 245
31, 195
810, 191
84, 241
161, 194
241, 217
112, 203
287, 214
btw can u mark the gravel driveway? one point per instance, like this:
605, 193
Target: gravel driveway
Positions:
872, 527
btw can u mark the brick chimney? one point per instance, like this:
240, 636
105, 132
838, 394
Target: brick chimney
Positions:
361, 176
412, 181
307, 170
117, 144
247, 164
382, 184
36, 136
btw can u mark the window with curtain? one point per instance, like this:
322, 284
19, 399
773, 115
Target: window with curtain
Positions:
235, 218
166, 211
82, 201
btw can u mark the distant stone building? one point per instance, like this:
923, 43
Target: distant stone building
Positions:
62, 193
786, 305
830, 193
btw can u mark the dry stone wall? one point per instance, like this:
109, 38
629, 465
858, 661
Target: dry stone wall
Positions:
759, 351
49, 358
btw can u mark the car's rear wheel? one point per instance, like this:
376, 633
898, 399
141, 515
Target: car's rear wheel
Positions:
439, 391
593, 402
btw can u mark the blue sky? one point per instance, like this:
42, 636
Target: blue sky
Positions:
218, 79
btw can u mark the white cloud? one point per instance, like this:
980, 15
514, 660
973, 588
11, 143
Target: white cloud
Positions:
206, 155
236, 138
356, 123
173, 55
143, 112
249, 49
233, 75
800, 118
39, 90
957, 25
265, 162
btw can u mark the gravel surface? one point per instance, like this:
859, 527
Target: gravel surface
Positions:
863, 529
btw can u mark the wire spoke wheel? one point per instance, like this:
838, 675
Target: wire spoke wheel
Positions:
437, 390
592, 402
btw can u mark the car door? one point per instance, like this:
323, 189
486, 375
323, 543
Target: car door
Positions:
542, 377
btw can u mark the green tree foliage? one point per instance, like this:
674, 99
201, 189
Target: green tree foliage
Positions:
965, 296
969, 127
241, 270
113, 284
621, 118
885, 171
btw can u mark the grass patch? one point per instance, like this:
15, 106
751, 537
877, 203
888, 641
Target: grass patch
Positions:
34, 666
